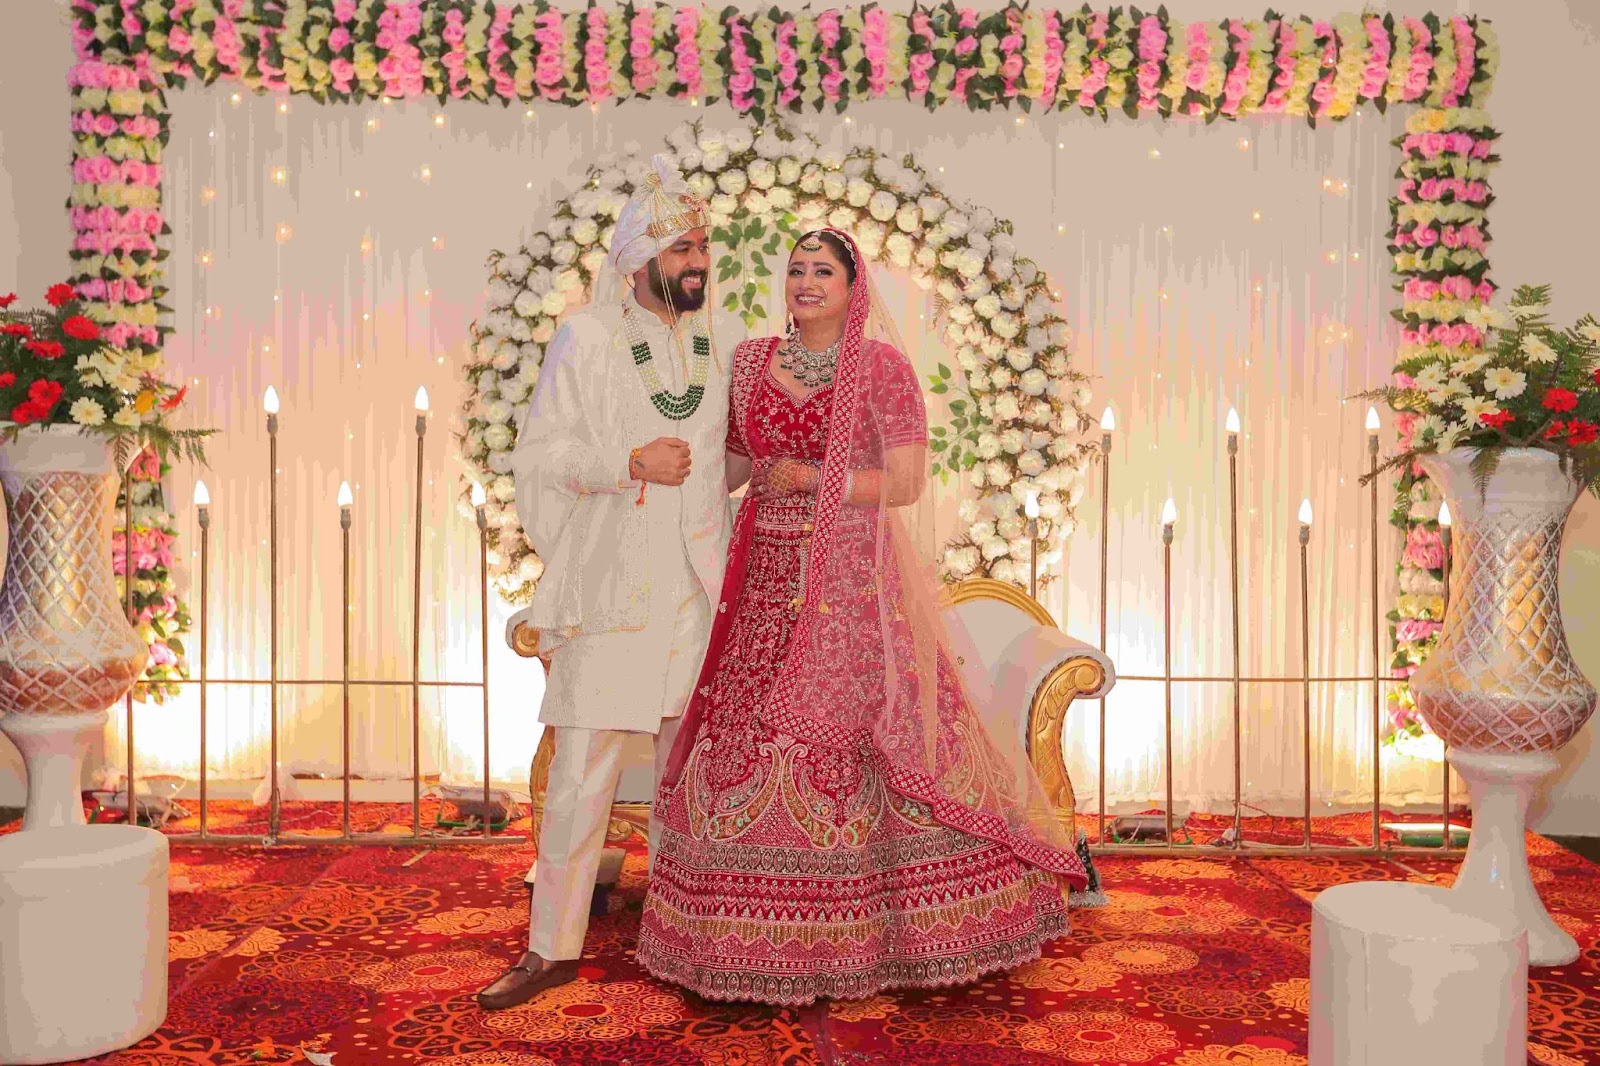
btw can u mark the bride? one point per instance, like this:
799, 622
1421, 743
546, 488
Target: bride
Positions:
837, 817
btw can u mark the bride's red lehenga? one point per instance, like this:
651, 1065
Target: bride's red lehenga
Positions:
836, 818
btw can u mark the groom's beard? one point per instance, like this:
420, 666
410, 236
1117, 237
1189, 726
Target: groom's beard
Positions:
671, 290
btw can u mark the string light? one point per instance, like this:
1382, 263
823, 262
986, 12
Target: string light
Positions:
235, 99
365, 317
1255, 216
1061, 230
285, 231
1061, 144
528, 113
530, 184
1355, 255
438, 121
372, 125
438, 242
1333, 257
366, 245
283, 107
207, 194
205, 259
427, 174
1020, 119
1244, 144
280, 175
358, 194
1155, 153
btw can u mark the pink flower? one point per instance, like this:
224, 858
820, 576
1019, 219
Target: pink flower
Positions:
1424, 548
1417, 630
344, 10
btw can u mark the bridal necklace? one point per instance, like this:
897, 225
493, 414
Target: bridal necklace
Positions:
676, 407
811, 369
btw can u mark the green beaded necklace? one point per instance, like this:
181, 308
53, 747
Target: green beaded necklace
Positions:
675, 407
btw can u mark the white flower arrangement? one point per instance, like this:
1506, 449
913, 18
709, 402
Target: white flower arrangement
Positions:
1023, 409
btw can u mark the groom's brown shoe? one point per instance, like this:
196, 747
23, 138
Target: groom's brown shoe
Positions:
526, 979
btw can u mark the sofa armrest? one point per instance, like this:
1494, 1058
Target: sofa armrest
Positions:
523, 638
1048, 670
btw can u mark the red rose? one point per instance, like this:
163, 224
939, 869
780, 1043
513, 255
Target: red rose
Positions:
58, 294
7, 300
1560, 400
7, 380
17, 329
80, 328
1581, 433
47, 349
1497, 419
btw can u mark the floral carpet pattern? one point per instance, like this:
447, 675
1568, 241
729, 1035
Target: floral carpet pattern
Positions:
373, 954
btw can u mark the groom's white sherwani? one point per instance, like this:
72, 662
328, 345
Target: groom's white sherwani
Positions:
630, 576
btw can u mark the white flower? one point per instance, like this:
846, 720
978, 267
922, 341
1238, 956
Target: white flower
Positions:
498, 437
781, 199
1590, 331
899, 247
926, 258
1537, 350
883, 206
1474, 407
1431, 378
586, 232
998, 473
529, 372
515, 390
988, 446
857, 193
569, 282
595, 257
86, 412
1019, 359
1005, 326
932, 207
1452, 434
521, 331
506, 356
763, 175
987, 306
127, 417
813, 180
539, 247
543, 331
994, 548
1506, 384
834, 186
723, 204
1012, 441
558, 228
769, 145
733, 182
739, 140
497, 412
503, 488
955, 224
908, 218
981, 531
528, 303
714, 161
702, 185
1470, 365
554, 303
756, 202
1034, 382
564, 252
842, 218
789, 171
711, 140
1006, 407
1000, 377
516, 267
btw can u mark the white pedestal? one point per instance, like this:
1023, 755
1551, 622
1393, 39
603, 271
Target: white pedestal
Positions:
1495, 871
83, 941
1403, 975
52, 748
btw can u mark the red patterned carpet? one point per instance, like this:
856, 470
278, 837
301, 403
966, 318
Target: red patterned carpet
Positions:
373, 954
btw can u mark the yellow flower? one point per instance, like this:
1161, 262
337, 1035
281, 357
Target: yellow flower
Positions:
1433, 120
145, 402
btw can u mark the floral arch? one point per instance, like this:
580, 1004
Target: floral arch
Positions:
1019, 409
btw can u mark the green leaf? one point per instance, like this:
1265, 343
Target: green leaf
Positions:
940, 389
944, 371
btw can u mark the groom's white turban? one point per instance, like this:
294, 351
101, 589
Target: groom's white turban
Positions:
661, 210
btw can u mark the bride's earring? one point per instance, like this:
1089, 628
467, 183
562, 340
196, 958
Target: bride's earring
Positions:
788, 324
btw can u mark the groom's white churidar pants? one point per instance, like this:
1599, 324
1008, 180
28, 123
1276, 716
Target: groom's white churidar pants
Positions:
588, 762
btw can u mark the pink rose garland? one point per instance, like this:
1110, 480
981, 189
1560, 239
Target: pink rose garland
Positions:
1375, 74
549, 65
686, 21
642, 50
596, 68
505, 84
1466, 42
742, 80
875, 44
788, 65
922, 62
966, 49
1238, 79
1322, 92
1011, 63
454, 61
1421, 70
828, 41
401, 68
1099, 69
1054, 48
1283, 62
1152, 58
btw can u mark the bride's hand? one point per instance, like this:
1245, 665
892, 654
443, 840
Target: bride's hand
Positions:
784, 477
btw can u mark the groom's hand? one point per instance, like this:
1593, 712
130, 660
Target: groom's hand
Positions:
664, 461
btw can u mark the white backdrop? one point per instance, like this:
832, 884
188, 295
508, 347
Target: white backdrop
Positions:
337, 253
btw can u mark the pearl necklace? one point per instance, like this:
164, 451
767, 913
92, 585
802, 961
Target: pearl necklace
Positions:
811, 369
677, 407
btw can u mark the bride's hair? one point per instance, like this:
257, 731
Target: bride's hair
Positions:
836, 244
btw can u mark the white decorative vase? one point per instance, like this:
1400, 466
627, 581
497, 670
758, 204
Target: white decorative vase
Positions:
67, 651
1501, 689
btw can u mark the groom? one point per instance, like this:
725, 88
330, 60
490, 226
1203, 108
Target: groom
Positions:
621, 488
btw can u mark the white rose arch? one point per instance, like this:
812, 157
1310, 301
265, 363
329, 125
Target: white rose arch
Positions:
1017, 408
